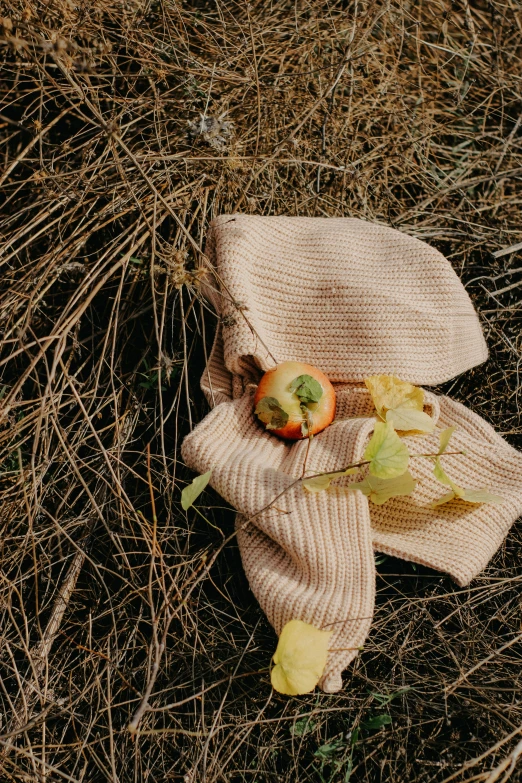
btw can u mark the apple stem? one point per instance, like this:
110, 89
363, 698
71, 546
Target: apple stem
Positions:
310, 436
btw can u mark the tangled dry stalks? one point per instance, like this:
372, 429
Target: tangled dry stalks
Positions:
126, 126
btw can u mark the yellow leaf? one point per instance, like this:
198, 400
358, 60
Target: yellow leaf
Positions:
441, 476
381, 490
469, 495
194, 489
410, 419
319, 483
444, 499
479, 496
387, 454
445, 436
389, 393
400, 403
300, 658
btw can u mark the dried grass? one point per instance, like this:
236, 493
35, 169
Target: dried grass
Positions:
126, 126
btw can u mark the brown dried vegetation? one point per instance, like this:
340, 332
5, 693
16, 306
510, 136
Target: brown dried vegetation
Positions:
127, 125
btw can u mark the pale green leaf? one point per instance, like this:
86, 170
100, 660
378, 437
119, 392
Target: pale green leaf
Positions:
444, 499
194, 490
322, 482
387, 454
380, 490
441, 475
407, 418
479, 496
445, 436
319, 483
469, 495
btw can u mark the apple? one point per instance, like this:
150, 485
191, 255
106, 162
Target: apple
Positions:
295, 400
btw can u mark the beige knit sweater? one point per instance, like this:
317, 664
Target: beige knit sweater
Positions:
354, 299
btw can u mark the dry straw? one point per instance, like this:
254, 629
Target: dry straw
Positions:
115, 604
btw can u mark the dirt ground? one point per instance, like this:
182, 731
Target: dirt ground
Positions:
126, 126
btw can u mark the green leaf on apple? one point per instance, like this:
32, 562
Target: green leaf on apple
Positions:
307, 389
269, 411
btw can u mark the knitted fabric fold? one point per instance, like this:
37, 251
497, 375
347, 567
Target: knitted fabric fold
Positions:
354, 299
350, 297
309, 556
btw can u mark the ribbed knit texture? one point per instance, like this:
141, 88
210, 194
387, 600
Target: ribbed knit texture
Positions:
354, 299
348, 296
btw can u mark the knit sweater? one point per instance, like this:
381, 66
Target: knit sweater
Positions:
354, 299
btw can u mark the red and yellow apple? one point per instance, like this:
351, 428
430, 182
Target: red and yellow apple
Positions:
295, 400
